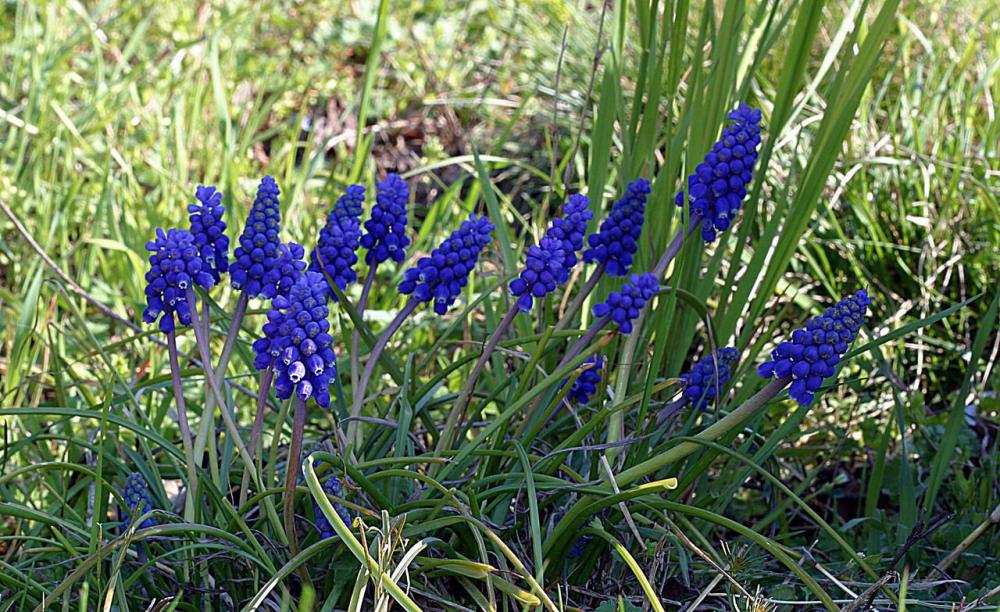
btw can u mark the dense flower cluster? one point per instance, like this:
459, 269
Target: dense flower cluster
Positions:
815, 351
585, 386
385, 236
174, 266
289, 266
441, 276
333, 487
255, 259
336, 250
296, 341
624, 306
137, 500
718, 185
209, 230
618, 238
548, 263
701, 385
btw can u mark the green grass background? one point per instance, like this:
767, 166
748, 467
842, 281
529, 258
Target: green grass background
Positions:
880, 170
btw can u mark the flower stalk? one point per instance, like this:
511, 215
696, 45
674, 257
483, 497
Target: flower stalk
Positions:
182, 423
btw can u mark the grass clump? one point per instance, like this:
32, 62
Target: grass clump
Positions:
360, 436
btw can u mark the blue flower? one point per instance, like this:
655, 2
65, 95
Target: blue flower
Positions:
333, 487
209, 230
296, 341
548, 264
700, 385
618, 238
255, 259
289, 266
385, 236
625, 305
718, 185
586, 383
138, 500
814, 352
580, 544
336, 250
174, 266
441, 276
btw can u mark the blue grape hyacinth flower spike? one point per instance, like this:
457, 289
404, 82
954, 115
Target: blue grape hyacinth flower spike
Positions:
548, 263
701, 386
137, 500
585, 385
174, 266
336, 250
255, 260
297, 342
625, 305
209, 230
289, 266
385, 232
718, 185
333, 487
814, 351
442, 276
617, 240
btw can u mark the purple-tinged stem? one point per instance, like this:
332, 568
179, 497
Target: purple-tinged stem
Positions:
675, 246
234, 431
584, 340
575, 350
182, 423
373, 357
356, 336
207, 424
457, 413
292, 472
266, 377
669, 410
577, 303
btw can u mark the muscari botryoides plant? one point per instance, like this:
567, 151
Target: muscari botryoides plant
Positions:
297, 346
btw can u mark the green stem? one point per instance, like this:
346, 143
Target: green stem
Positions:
712, 432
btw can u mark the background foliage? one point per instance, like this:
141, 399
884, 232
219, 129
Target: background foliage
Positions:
880, 170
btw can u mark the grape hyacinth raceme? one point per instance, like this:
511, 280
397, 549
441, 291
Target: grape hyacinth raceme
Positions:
586, 383
289, 266
336, 250
700, 383
253, 269
174, 266
548, 263
385, 232
333, 487
296, 341
209, 230
625, 305
717, 187
442, 276
814, 351
137, 500
618, 238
